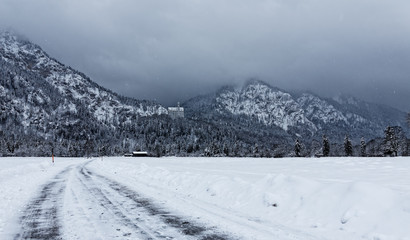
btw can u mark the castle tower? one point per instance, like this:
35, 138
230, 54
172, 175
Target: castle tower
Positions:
176, 112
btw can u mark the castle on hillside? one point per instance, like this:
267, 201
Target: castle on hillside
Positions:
176, 112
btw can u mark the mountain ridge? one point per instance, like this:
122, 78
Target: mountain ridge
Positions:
73, 84
47, 106
298, 112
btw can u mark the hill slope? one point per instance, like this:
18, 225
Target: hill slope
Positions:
45, 99
299, 115
77, 89
49, 107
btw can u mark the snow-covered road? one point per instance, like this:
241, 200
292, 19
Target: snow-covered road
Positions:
41, 218
80, 204
205, 198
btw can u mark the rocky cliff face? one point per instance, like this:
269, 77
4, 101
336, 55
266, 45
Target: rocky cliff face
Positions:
268, 105
302, 114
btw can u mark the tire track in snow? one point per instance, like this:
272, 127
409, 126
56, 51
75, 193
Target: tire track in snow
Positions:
41, 218
102, 209
139, 215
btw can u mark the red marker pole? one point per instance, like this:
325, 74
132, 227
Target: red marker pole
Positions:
52, 158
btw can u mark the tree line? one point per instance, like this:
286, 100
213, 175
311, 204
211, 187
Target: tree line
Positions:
394, 143
161, 136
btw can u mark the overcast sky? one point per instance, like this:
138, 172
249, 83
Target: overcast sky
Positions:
170, 50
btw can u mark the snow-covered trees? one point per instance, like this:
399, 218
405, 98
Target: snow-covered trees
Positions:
394, 141
35, 116
348, 146
326, 146
390, 142
298, 148
362, 147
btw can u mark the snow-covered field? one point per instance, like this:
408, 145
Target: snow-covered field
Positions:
243, 198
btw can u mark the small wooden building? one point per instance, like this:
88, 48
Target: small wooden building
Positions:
139, 154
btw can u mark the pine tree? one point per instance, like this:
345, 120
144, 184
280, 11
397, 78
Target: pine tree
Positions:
236, 149
391, 141
226, 150
348, 146
326, 146
256, 150
362, 147
89, 148
297, 148
157, 149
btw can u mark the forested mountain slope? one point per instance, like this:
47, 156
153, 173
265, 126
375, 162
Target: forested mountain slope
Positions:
303, 115
48, 107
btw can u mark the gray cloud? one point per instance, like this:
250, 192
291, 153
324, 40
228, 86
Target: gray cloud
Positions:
172, 50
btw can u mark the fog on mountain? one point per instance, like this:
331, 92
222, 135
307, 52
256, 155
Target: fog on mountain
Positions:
48, 107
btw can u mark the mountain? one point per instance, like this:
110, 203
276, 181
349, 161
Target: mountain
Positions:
46, 99
77, 89
48, 107
304, 115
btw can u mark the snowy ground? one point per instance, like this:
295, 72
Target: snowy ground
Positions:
205, 198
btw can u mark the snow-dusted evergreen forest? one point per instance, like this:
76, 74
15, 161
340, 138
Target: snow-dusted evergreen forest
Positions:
47, 107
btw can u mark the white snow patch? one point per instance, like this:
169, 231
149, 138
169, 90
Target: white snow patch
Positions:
289, 198
329, 198
20, 180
